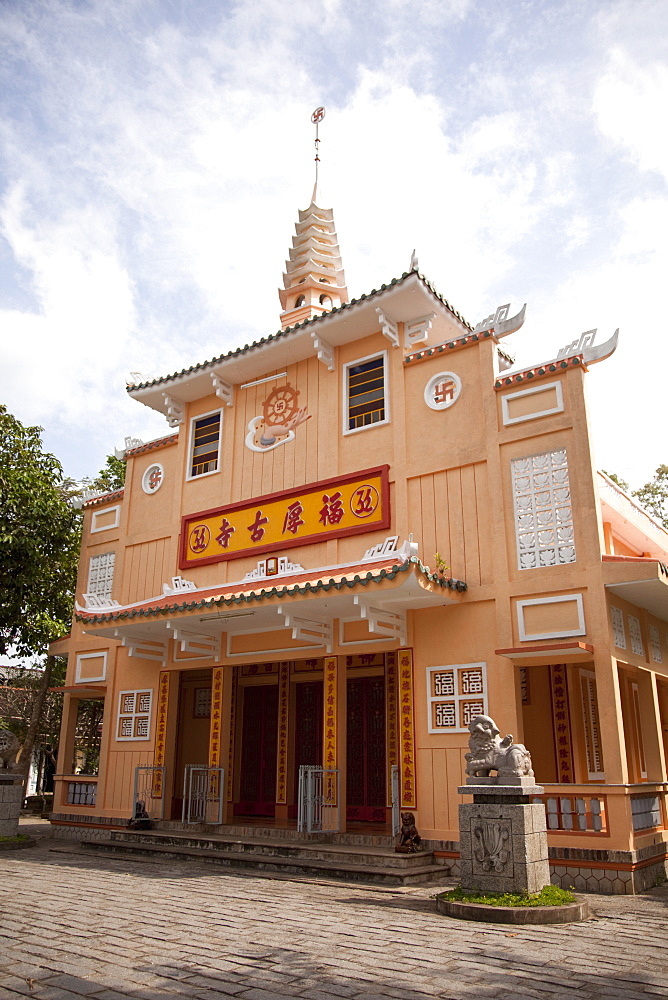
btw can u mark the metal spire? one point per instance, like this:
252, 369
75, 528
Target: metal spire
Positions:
316, 118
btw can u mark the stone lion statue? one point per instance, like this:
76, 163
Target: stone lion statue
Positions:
9, 747
488, 752
409, 839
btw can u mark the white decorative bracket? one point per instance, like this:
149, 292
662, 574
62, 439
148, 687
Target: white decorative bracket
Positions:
175, 414
130, 443
273, 566
143, 648
317, 631
416, 331
224, 390
498, 322
95, 601
578, 346
179, 585
382, 622
324, 350
388, 327
388, 547
197, 645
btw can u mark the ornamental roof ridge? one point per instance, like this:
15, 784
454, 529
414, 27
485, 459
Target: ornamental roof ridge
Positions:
163, 442
238, 593
105, 498
272, 337
540, 371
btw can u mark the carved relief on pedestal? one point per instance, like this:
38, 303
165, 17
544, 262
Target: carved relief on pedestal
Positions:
491, 835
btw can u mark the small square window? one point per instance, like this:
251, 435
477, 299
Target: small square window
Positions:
450, 696
205, 445
365, 393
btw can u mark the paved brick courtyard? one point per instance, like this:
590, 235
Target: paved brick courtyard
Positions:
74, 925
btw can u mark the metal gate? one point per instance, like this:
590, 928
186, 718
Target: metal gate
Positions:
318, 810
396, 803
202, 794
148, 793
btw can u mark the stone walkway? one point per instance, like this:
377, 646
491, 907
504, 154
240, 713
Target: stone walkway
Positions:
74, 925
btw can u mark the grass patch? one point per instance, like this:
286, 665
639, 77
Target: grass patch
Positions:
550, 895
12, 840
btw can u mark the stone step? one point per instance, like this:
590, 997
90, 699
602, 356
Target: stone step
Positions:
341, 854
275, 864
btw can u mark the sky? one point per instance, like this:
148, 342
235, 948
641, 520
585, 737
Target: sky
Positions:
154, 154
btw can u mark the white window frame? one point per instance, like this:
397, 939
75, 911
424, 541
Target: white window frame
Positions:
191, 444
105, 527
559, 599
96, 561
559, 408
101, 654
346, 369
455, 698
134, 715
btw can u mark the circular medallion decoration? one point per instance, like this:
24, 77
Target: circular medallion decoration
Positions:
153, 478
442, 390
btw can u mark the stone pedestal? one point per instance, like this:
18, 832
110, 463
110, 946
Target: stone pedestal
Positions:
11, 799
503, 836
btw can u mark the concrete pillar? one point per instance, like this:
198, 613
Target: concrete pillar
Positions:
650, 722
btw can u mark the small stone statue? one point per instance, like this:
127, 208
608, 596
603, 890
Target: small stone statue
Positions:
487, 752
9, 747
409, 839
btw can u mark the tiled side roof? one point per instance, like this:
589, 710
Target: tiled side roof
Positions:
542, 371
449, 345
153, 445
298, 326
105, 498
300, 584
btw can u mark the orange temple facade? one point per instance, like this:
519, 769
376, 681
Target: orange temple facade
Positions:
359, 533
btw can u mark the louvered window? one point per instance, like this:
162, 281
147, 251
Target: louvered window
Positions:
205, 445
592, 729
366, 402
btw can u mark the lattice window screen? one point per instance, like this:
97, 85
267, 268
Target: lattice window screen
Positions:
455, 695
636, 636
101, 575
618, 631
134, 715
592, 731
655, 644
543, 512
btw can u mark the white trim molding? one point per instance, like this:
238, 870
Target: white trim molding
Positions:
532, 391
557, 599
386, 396
101, 513
134, 715
456, 693
102, 675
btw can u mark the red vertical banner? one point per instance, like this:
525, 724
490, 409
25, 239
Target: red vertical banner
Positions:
216, 716
282, 755
233, 724
161, 731
407, 737
391, 718
330, 742
561, 721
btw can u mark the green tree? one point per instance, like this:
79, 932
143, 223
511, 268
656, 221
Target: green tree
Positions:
111, 476
654, 495
39, 549
623, 485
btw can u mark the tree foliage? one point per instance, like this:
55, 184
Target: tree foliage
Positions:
623, 485
654, 495
39, 542
111, 476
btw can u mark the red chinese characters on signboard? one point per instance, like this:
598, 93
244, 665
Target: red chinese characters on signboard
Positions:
562, 723
330, 669
216, 716
282, 756
407, 736
161, 732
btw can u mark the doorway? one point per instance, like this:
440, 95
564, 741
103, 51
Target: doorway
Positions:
257, 789
366, 755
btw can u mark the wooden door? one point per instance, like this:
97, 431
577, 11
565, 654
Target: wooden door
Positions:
257, 793
308, 729
366, 757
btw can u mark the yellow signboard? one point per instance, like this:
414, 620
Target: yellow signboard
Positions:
346, 505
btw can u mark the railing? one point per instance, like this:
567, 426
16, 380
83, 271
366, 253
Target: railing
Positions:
396, 801
202, 794
318, 806
575, 813
623, 814
81, 793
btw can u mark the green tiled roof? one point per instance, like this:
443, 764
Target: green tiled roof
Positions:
300, 326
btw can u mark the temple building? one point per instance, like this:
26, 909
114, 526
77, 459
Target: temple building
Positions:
359, 533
